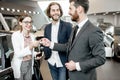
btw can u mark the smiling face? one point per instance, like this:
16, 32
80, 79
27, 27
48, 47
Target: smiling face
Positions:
55, 12
73, 12
26, 24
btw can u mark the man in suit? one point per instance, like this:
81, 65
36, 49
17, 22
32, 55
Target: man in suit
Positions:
57, 31
86, 52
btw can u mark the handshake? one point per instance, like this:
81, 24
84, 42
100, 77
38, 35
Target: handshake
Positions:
43, 41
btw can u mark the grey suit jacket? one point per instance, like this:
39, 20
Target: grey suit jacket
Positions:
87, 49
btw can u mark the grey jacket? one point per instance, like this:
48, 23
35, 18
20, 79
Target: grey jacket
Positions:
87, 49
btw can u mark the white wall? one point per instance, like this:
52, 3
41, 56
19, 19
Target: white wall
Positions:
97, 6
107, 18
114, 19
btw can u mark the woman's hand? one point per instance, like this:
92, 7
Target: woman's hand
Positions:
38, 56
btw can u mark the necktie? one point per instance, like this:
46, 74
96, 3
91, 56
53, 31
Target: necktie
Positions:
74, 33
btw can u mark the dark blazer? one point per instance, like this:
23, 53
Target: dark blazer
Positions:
64, 32
87, 49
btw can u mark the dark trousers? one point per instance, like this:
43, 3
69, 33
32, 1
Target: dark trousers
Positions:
37, 74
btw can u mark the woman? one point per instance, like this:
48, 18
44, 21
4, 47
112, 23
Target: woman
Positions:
23, 44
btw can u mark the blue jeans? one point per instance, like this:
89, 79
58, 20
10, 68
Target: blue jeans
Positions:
57, 73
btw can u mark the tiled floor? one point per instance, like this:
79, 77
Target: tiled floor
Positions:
109, 71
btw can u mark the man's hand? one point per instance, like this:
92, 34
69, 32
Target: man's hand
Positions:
70, 65
45, 42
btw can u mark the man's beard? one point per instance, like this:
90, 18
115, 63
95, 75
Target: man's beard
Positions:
75, 17
55, 19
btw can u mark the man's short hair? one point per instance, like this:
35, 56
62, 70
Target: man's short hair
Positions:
83, 3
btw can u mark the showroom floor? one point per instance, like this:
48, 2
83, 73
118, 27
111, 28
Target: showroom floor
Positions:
109, 71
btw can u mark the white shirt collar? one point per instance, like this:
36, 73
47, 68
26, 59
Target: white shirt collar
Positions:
82, 23
57, 24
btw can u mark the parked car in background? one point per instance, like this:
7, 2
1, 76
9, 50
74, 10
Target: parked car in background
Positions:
117, 44
108, 30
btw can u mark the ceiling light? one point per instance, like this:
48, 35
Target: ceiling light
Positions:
8, 9
34, 12
30, 12
13, 10
2, 9
25, 11
18, 10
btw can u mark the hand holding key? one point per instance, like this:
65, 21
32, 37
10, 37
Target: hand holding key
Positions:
45, 42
